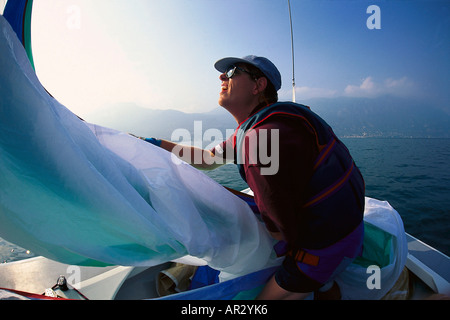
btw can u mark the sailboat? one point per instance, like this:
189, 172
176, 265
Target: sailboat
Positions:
108, 225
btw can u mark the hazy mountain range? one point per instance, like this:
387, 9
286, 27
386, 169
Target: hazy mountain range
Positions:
350, 117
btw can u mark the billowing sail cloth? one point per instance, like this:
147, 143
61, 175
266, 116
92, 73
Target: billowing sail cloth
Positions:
83, 194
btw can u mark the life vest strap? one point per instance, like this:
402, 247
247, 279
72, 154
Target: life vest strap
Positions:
331, 189
299, 255
325, 153
305, 257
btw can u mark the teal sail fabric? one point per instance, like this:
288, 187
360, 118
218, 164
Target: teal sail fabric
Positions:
82, 194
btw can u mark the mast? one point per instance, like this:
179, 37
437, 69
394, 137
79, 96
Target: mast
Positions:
292, 47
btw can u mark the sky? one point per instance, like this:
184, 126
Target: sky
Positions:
160, 54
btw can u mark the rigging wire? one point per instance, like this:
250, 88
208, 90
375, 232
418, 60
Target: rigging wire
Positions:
292, 47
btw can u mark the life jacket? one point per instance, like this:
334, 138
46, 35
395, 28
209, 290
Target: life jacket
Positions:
334, 204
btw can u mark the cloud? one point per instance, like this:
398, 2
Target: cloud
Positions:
366, 88
369, 88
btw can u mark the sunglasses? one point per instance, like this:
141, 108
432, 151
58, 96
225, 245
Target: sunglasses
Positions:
232, 71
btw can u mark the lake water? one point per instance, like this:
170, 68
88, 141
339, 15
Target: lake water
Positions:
413, 175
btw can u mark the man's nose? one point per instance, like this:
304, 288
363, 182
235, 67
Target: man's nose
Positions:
223, 77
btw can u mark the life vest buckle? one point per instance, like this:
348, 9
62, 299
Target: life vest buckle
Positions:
305, 257
299, 255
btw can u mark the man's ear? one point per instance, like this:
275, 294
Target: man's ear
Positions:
260, 85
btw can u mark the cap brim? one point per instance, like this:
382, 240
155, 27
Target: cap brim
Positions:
224, 63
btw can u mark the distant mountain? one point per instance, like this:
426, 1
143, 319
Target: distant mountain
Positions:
362, 117
386, 116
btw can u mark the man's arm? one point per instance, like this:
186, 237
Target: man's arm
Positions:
197, 157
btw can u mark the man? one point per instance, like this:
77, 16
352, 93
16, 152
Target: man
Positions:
310, 194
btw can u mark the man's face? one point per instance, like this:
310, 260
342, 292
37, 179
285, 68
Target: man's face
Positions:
236, 92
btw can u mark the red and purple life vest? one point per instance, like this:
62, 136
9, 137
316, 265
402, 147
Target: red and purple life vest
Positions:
336, 191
